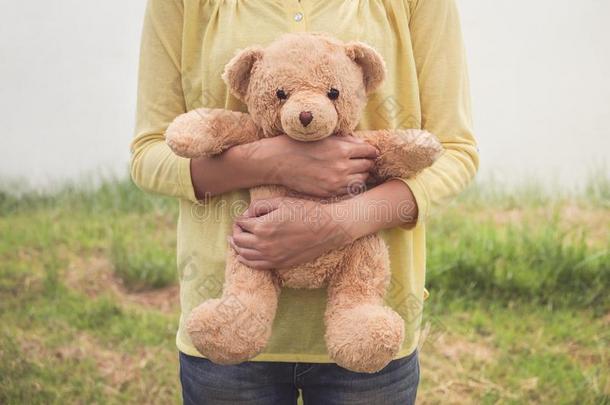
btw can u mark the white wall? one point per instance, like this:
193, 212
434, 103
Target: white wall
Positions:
68, 70
540, 76
539, 73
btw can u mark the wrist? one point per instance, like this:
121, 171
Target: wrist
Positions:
388, 205
197, 182
266, 160
349, 218
250, 163
365, 218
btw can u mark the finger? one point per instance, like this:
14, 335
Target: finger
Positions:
255, 264
246, 224
248, 254
360, 165
363, 151
262, 207
236, 230
245, 240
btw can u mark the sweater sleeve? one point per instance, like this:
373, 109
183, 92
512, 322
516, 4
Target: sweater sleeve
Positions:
154, 167
445, 103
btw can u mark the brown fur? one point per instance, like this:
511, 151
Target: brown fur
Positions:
361, 333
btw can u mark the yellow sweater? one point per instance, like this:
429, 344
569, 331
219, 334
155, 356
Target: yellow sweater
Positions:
186, 44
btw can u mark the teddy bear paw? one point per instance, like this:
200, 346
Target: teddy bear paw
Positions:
365, 338
225, 335
181, 145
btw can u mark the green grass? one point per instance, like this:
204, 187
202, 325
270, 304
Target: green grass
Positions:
139, 261
561, 356
518, 313
539, 263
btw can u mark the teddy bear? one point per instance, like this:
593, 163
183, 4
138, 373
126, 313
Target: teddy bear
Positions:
308, 86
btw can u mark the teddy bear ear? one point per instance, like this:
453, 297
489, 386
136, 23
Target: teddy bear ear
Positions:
371, 62
237, 72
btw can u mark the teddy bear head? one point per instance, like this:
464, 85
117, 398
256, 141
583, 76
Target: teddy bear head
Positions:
308, 86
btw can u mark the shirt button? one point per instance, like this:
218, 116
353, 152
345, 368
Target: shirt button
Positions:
298, 17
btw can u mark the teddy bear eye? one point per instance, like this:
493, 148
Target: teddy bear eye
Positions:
281, 94
333, 94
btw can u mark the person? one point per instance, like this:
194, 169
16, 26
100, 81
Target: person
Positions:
185, 45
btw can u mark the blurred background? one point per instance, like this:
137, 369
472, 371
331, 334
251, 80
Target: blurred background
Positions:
519, 266
539, 86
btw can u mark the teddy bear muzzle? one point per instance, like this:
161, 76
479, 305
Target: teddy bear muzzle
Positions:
308, 116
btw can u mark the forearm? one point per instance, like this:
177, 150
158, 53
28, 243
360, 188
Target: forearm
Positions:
236, 168
156, 169
388, 205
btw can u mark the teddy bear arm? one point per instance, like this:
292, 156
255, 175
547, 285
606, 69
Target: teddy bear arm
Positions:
209, 132
402, 152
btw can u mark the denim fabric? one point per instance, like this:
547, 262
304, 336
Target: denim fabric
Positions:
271, 383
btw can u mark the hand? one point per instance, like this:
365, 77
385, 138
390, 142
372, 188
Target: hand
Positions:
331, 166
285, 232
328, 167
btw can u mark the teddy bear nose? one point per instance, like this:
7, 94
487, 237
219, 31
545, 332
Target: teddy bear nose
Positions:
305, 117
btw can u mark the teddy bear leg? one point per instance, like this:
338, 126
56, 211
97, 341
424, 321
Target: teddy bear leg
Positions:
362, 334
236, 327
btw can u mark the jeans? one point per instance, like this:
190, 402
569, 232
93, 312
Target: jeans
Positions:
271, 383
